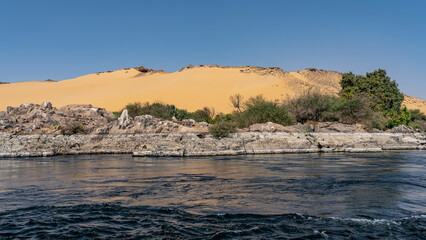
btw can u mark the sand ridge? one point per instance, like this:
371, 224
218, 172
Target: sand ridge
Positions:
191, 88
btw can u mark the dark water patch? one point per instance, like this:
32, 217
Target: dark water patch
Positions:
116, 221
318, 196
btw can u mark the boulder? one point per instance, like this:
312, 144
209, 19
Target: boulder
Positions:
124, 120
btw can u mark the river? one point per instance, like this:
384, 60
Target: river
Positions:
290, 196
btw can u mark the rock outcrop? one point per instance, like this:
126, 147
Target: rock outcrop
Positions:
31, 118
45, 119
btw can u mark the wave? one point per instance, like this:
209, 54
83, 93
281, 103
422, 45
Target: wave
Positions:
126, 222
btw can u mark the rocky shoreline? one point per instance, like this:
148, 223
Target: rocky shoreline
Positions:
193, 144
33, 130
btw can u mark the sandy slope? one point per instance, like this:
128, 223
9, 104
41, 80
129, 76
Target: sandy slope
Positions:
191, 88
415, 103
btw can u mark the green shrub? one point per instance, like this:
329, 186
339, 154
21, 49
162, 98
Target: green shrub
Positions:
313, 106
222, 128
401, 117
204, 115
259, 110
159, 110
417, 115
180, 114
134, 109
419, 124
117, 114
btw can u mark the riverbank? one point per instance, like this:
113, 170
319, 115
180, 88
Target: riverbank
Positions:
202, 144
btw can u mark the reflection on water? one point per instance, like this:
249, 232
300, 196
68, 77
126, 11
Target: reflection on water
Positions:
389, 185
344, 185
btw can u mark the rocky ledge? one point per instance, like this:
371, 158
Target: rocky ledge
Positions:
201, 144
42, 130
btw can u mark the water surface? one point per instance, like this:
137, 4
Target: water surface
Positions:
337, 195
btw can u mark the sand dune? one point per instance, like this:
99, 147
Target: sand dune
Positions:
190, 88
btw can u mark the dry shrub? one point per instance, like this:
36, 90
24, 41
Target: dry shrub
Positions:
313, 106
73, 127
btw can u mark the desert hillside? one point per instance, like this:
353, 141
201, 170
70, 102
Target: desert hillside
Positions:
191, 88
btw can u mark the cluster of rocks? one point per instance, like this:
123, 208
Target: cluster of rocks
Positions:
85, 119
31, 118
150, 124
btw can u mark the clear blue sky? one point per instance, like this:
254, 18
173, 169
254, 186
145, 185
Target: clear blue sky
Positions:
65, 39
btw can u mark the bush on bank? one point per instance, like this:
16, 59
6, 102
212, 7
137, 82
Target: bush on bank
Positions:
222, 128
259, 110
313, 106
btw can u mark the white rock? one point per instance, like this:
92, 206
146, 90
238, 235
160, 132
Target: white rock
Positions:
124, 120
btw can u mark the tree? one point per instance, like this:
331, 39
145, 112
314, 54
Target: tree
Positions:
384, 93
236, 101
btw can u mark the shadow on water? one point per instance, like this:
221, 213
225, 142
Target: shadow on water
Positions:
378, 195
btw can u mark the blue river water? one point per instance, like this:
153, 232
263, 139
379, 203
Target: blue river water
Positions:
290, 196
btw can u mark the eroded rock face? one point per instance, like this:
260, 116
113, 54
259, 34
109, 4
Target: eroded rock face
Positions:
191, 144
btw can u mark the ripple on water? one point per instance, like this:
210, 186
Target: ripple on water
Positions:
117, 221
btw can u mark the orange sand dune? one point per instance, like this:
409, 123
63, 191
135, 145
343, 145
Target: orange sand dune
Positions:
191, 88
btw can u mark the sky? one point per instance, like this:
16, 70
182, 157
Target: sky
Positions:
55, 39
